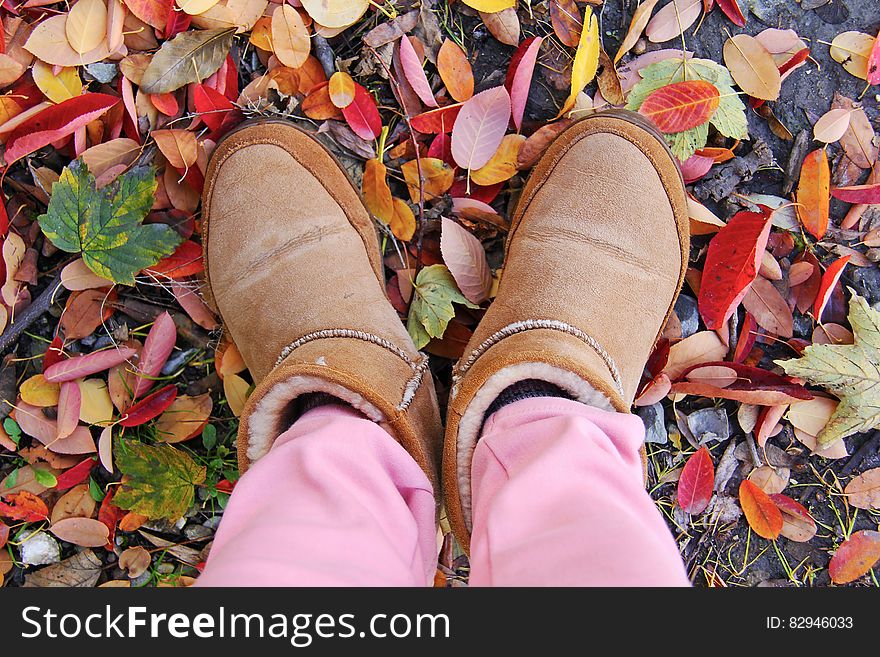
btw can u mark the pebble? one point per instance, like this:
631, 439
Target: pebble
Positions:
686, 310
197, 532
709, 424
38, 548
655, 426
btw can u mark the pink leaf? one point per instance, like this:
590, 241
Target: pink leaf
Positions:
35, 424
466, 259
55, 123
192, 303
695, 167
69, 401
864, 194
479, 128
80, 366
874, 62
415, 74
519, 76
157, 348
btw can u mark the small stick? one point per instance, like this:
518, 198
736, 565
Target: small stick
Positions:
30, 314
325, 55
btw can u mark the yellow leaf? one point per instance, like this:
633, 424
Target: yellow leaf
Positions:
502, 166
36, 391
403, 221
290, 37
96, 406
377, 195
438, 177
196, 7
490, 6
57, 88
341, 89
586, 59
640, 19
86, 25
236, 390
852, 49
336, 13
261, 34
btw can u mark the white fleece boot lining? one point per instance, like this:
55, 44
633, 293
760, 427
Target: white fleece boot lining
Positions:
264, 425
472, 420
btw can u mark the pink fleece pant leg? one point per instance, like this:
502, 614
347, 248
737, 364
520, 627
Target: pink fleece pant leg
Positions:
336, 502
559, 500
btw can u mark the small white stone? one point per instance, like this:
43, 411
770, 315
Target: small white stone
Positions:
38, 549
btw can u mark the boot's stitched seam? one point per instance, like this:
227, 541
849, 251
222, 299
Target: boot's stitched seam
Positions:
532, 324
419, 366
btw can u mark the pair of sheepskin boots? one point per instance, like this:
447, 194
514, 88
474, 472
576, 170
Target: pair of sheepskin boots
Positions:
595, 257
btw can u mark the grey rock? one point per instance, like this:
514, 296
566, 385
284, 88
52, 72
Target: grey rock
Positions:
708, 424
39, 548
867, 282
103, 72
655, 426
197, 532
686, 309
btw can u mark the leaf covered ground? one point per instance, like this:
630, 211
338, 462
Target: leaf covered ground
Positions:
120, 392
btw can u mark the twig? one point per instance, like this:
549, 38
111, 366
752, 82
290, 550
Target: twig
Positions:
325, 55
868, 448
30, 314
147, 312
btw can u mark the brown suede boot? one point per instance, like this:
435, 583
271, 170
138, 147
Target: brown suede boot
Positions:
294, 270
595, 258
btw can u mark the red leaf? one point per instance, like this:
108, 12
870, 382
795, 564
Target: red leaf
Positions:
150, 406
484, 193
763, 516
157, 348
826, 287
696, 482
855, 557
215, 109
177, 22
732, 11
874, 62
184, 262
362, 115
4, 534
682, 105
519, 76
75, 475
800, 56
732, 263
437, 120
863, 194
441, 149
165, 103
110, 514
56, 122
24, 506
53, 353
747, 335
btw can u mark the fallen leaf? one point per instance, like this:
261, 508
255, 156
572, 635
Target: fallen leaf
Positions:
752, 67
184, 418
566, 21
157, 349
850, 372
865, 194
479, 128
377, 194
855, 557
341, 89
290, 37
86, 25
464, 256
863, 492
519, 76
768, 307
236, 390
732, 266
415, 74
335, 13
682, 105
36, 391
826, 287
179, 147
762, 514
81, 366
699, 348
149, 407
502, 165
832, 125
434, 292
84, 532
696, 482
640, 19
81, 570
732, 11
673, 19
135, 561
455, 71
797, 523
362, 115
503, 25
23, 506
586, 60
852, 49
188, 57
437, 178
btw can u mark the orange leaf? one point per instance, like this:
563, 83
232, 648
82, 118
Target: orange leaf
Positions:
762, 514
813, 193
455, 71
178, 146
855, 557
341, 89
24, 506
403, 221
318, 106
681, 106
437, 177
566, 20
377, 194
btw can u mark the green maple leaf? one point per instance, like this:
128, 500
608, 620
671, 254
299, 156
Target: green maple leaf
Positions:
851, 372
160, 479
105, 224
434, 292
729, 119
